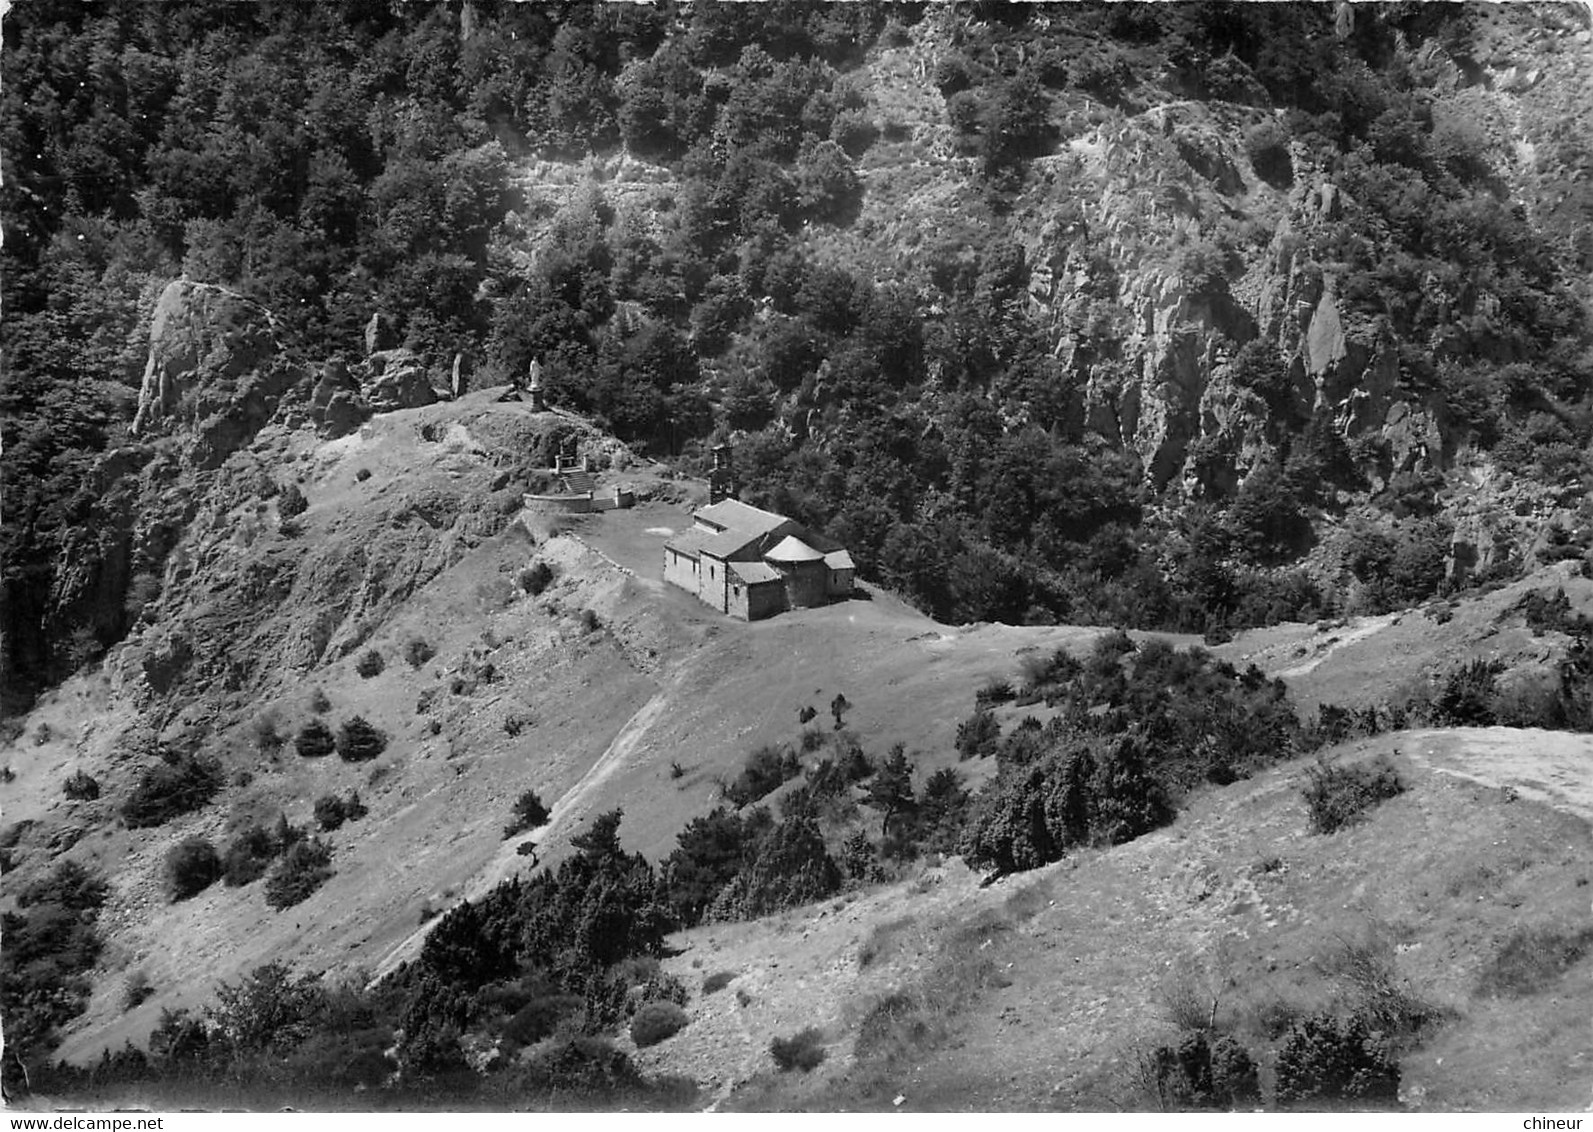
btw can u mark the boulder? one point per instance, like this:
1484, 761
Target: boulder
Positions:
336, 403
380, 334
397, 379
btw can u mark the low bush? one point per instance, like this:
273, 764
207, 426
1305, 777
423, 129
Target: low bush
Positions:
539, 1018
995, 692
536, 578
304, 868
717, 981
315, 740
137, 991
1337, 796
1324, 1058
589, 621
1199, 1073
1533, 959
178, 785
370, 664
764, 771
656, 1021
418, 651
320, 702
1366, 965
248, 856
894, 1021
332, 811
358, 741
528, 813
81, 787
191, 867
804, 1050
583, 1065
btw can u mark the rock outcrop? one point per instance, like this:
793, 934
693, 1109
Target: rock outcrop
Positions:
337, 404
397, 379
213, 370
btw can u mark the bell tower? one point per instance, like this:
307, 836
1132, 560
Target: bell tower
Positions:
722, 480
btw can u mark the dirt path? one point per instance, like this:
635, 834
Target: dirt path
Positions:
1363, 628
1553, 767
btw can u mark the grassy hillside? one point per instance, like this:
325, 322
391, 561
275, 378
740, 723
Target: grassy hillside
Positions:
1046, 990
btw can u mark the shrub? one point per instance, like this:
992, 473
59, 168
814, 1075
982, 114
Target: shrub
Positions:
717, 981
267, 737
178, 786
191, 867
978, 735
362, 475
764, 771
314, 740
1199, 1073
370, 664
1534, 959
656, 1021
137, 990
418, 651
1366, 963
69, 886
358, 741
583, 1065
536, 578
894, 1021
248, 855
81, 787
529, 813
332, 811
589, 621
1327, 1058
1468, 695
304, 868
540, 1017
995, 692
1336, 796
803, 1050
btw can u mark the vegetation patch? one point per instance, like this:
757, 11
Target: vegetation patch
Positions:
332, 811
655, 1021
803, 1050
304, 867
81, 787
1325, 1058
180, 784
192, 866
1337, 795
315, 740
52, 941
1533, 959
359, 741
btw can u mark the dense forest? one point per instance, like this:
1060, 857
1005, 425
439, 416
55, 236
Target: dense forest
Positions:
331, 161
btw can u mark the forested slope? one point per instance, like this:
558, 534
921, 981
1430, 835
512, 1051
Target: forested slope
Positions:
979, 289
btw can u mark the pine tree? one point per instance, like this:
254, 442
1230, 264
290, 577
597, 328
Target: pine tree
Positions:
891, 789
